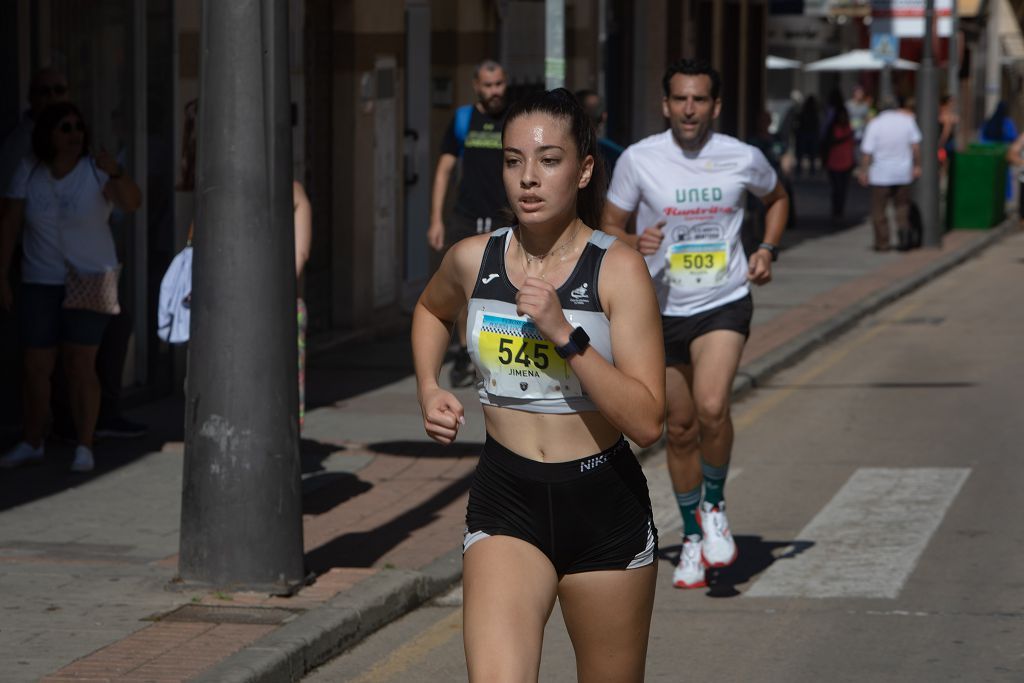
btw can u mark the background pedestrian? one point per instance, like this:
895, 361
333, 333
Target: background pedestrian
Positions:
890, 161
838, 152
808, 135
472, 140
63, 197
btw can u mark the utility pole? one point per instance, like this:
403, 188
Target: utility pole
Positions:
885, 96
953, 74
241, 512
928, 121
554, 44
993, 51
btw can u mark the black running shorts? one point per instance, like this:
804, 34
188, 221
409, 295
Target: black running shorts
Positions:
585, 515
680, 331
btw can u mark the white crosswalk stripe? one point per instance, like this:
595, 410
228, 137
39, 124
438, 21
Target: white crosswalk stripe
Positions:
867, 540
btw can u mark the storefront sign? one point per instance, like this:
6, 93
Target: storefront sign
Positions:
905, 18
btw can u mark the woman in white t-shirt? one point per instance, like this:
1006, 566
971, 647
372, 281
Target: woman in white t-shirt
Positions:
61, 198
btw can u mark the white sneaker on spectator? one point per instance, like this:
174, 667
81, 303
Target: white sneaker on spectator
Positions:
689, 573
22, 454
719, 547
83, 462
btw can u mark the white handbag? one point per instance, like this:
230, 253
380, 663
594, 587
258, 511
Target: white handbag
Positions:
173, 313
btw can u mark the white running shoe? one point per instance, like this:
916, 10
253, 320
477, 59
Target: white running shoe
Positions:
83, 462
689, 573
719, 547
22, 454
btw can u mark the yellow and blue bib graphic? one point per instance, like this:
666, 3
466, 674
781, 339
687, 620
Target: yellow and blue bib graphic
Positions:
516, 361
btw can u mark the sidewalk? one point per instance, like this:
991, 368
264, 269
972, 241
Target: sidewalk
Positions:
86, 562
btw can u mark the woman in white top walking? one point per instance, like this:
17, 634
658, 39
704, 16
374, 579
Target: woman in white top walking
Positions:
62, 197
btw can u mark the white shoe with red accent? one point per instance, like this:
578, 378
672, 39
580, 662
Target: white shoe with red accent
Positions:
719, 547
689, 573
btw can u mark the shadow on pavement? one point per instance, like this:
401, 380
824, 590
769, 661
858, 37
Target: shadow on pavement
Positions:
755, 556
52, 476
428, 449
364, 548
335, 375
313, 454
873, 385
324, 492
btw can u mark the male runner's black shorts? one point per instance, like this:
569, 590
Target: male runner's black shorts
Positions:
586, 515
680, 331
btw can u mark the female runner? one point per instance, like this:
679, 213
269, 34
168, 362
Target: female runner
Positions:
566, 338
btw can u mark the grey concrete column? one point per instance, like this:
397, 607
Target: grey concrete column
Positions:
241, 512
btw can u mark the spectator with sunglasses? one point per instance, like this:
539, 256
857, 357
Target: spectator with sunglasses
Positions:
62, 197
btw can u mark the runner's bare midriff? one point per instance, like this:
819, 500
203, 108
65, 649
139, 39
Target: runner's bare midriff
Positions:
550, 438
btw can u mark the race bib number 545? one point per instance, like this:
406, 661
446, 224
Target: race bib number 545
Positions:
517, 362
697, 264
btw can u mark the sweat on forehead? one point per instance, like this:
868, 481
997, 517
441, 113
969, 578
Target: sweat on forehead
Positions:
538, 130
540, 124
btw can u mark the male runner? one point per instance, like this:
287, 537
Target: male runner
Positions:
688, 186
474, 135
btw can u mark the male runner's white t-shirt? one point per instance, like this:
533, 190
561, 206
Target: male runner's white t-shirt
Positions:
700, 264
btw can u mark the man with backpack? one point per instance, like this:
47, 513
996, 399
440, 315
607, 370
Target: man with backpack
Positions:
474, 138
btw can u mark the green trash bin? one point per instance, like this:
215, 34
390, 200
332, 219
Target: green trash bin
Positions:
979, 186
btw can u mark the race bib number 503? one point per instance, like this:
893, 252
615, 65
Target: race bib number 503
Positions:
697, 264
517, 362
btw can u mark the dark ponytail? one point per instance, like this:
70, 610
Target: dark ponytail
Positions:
562, 104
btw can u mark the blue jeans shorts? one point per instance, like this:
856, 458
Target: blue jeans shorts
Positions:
45, 323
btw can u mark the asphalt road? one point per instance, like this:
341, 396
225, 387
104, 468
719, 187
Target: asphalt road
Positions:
875, 495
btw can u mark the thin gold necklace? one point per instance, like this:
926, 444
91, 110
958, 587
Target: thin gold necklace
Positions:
529, 258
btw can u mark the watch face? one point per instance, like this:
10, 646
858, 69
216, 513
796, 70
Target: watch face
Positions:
580, 337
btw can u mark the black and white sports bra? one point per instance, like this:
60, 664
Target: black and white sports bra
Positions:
519, 369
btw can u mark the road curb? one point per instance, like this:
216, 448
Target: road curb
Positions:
314, 637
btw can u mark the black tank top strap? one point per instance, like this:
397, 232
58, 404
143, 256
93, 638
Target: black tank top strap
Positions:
581, 292
492, 264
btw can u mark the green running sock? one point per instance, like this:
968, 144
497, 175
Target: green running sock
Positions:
688, 503
714, 482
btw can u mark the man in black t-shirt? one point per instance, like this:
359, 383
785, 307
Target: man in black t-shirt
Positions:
474, 136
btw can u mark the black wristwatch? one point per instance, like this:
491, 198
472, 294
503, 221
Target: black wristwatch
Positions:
771, 249
578, 340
